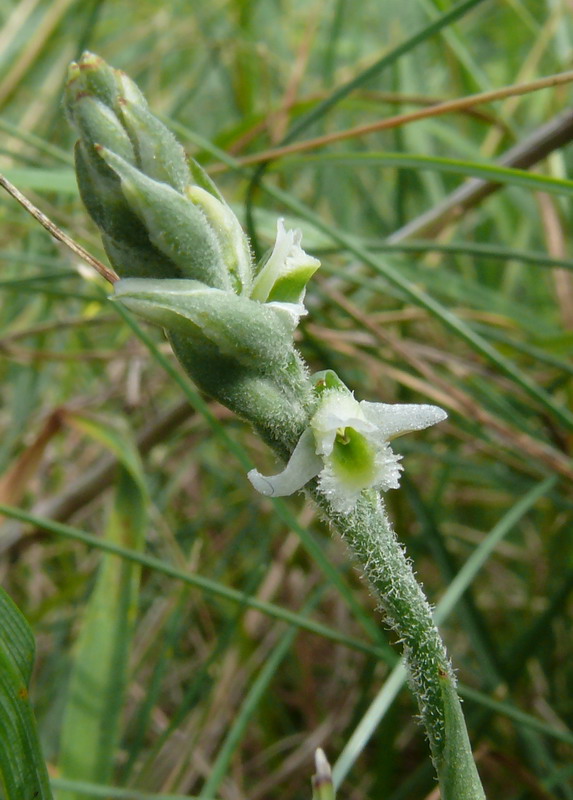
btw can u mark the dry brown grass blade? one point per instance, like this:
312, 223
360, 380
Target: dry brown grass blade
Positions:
534, 148
556, 247
447, 107
15, 482
96, 479
53, 15
390, 98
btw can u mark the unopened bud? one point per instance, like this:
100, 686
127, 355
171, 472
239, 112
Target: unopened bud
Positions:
175, 226
322, 787
284, 276
158, 217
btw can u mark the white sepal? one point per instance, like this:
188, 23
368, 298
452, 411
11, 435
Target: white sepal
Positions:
394, 420
303, 465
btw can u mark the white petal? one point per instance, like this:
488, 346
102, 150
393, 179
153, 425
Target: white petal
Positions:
393, 420
337, 410
303, 465
274, 267
343, 495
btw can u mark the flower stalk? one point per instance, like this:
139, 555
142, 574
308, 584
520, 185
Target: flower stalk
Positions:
184, 264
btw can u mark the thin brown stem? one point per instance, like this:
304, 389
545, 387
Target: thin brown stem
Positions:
447, 107
58, 233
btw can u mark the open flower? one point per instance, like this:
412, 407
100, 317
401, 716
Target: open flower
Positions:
347, 446
283, 278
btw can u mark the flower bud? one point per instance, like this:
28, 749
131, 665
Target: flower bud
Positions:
158, 217
183, 259
175, 226
284, 276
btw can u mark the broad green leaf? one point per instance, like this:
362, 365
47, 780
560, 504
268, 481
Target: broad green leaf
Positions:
22, 768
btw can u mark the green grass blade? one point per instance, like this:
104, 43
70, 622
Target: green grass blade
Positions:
197, 581
95, 697
43, 180
437, 25
484, 550
488, 172
520, 717
499, 252
249, 707
86, 789
443, 21
369, 722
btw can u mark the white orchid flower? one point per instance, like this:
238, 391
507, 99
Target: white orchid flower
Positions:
347, 446
282, 280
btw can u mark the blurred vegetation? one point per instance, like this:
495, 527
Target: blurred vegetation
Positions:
245, 638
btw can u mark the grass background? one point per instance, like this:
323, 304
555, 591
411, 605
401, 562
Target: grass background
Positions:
237, 637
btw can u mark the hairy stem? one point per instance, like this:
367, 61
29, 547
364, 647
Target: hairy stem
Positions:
369, 534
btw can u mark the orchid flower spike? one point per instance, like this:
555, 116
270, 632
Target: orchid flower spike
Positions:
347, 446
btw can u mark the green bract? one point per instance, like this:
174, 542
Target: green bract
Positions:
254, 334
159, 217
